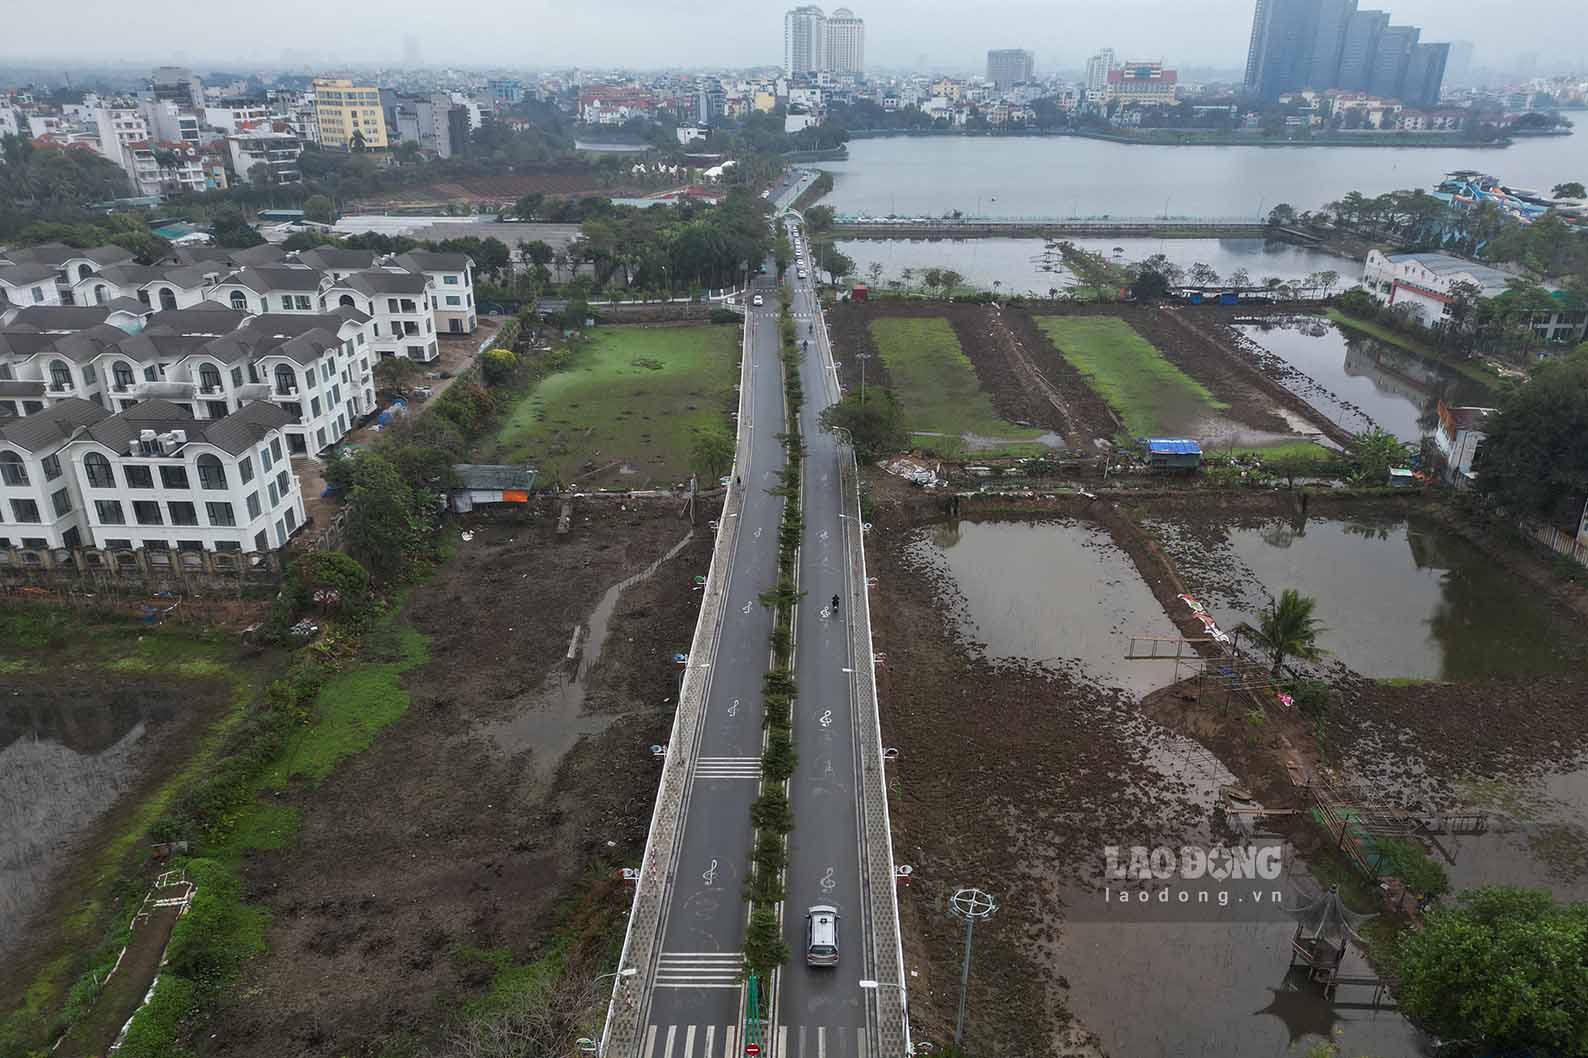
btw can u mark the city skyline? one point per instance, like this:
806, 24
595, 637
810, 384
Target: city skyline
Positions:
931, 35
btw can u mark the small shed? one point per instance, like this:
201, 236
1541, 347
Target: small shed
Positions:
479, 483
1402, 478
860, 292
1173, 453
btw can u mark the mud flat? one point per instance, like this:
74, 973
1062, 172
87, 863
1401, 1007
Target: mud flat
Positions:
1024, 753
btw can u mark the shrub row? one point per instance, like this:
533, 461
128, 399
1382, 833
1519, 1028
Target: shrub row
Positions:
765, 948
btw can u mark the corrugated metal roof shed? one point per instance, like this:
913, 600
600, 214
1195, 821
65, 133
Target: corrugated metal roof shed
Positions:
1179, 446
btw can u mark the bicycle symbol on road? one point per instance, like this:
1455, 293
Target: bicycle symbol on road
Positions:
710, 873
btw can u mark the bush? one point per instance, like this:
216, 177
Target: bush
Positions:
219, 931
498, 366
770, 811
724, 316
764, 947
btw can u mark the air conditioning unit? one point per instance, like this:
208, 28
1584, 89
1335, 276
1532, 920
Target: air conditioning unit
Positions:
146, 435
179, 436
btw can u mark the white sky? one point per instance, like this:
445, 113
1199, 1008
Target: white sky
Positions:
654, 34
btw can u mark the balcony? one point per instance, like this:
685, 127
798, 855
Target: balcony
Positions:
63, 387
286, 391
211, 391
164, 390
253, 391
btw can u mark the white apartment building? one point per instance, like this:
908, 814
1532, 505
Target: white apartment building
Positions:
452, 279
278, 152
160, 288
401, 307
120, 126
238, 115
8, 122
846, 44
1424, 281
272, 289
40, 502
804, 41
155, 477
28, 283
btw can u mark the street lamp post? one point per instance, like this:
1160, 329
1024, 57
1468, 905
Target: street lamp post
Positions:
627, 971
970, 905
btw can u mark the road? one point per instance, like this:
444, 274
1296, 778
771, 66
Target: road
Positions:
821, 1011
693, 1008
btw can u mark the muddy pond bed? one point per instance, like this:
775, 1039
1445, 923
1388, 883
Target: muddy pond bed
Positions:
1027, 623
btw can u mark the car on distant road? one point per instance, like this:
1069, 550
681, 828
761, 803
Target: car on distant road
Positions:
758, 301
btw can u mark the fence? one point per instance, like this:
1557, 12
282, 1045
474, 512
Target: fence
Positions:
142, 570
1559, 542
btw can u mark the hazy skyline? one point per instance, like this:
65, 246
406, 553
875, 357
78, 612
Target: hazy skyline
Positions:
899, 33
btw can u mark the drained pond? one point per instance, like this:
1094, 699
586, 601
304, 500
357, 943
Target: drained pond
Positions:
1211, 980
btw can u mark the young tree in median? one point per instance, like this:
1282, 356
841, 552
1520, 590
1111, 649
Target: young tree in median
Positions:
1287, 629
1502, 970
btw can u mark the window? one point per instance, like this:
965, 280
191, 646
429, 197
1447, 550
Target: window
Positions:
275, 497
453, 299
239, 301
292, 519
121, 376
336, 393
52, 468
183, 513
156, 545
97, 467
391, 305
416, 352
319, 436
60, 376
140, 478
304, 304
245, 469
275, 447
190, 545
286, 380
61, 500
25, 510
220, 514
314, 407
146, 512
12, 472
326, 371
346, 300
209, 378
228, 545
109, 512
38, 296
173, 477
264, 458
119, 544
167, 299
253, 506
89, 377
212, 475
151, 374
143, 295
237, 376
261, 541
450, 280
282, 483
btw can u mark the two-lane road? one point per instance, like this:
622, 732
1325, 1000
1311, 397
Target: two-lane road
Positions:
694, 1002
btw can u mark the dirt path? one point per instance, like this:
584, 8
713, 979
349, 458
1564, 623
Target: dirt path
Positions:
450, 844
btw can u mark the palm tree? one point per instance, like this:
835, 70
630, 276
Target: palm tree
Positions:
1287, 629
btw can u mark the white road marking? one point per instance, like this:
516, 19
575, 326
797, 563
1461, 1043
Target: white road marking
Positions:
709, 875
698, 970
821, 1041
727, 768
729, 1036
827, 882
705, 1051
826, 718
782, 1041
650, 1042
667, 1049
689, 1042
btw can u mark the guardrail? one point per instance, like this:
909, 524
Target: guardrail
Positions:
621, 1034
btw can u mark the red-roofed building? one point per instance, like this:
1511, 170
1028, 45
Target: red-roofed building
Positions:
614, 104
1141, 82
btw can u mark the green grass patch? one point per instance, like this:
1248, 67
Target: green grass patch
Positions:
631, 396
1403, 681
1472, 369
351, 709
937, 385
1286, 450
1150, 394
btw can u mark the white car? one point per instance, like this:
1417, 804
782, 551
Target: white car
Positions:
802, 274
757, 301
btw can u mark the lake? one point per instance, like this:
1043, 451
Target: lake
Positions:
1017, 263
1062, 176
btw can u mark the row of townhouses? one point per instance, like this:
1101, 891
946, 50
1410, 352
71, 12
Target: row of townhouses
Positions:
161, 406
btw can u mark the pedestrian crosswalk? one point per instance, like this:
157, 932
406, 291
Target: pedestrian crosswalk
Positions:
699, 969
727, 767
723, 1041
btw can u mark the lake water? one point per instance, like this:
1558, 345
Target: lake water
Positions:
1397, 598
1061, 593
1060, 176
1019, 266
1364, 381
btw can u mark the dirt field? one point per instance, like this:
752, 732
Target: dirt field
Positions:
505, 189
445, 851
997, 341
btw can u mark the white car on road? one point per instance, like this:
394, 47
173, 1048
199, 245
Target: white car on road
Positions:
757, 301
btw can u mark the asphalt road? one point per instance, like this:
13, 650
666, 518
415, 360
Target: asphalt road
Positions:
821, 1012
694, 1003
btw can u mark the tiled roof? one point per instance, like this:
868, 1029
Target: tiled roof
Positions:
55, 424
236, 433
25, 272
264, 280
338, 259
378, 282
61, 317
426, 261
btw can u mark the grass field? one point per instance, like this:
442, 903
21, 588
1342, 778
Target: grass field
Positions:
938, 387
1149, 393
626, 411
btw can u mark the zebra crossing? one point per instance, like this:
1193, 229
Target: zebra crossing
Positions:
727, 768
722, 1041
699, 969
